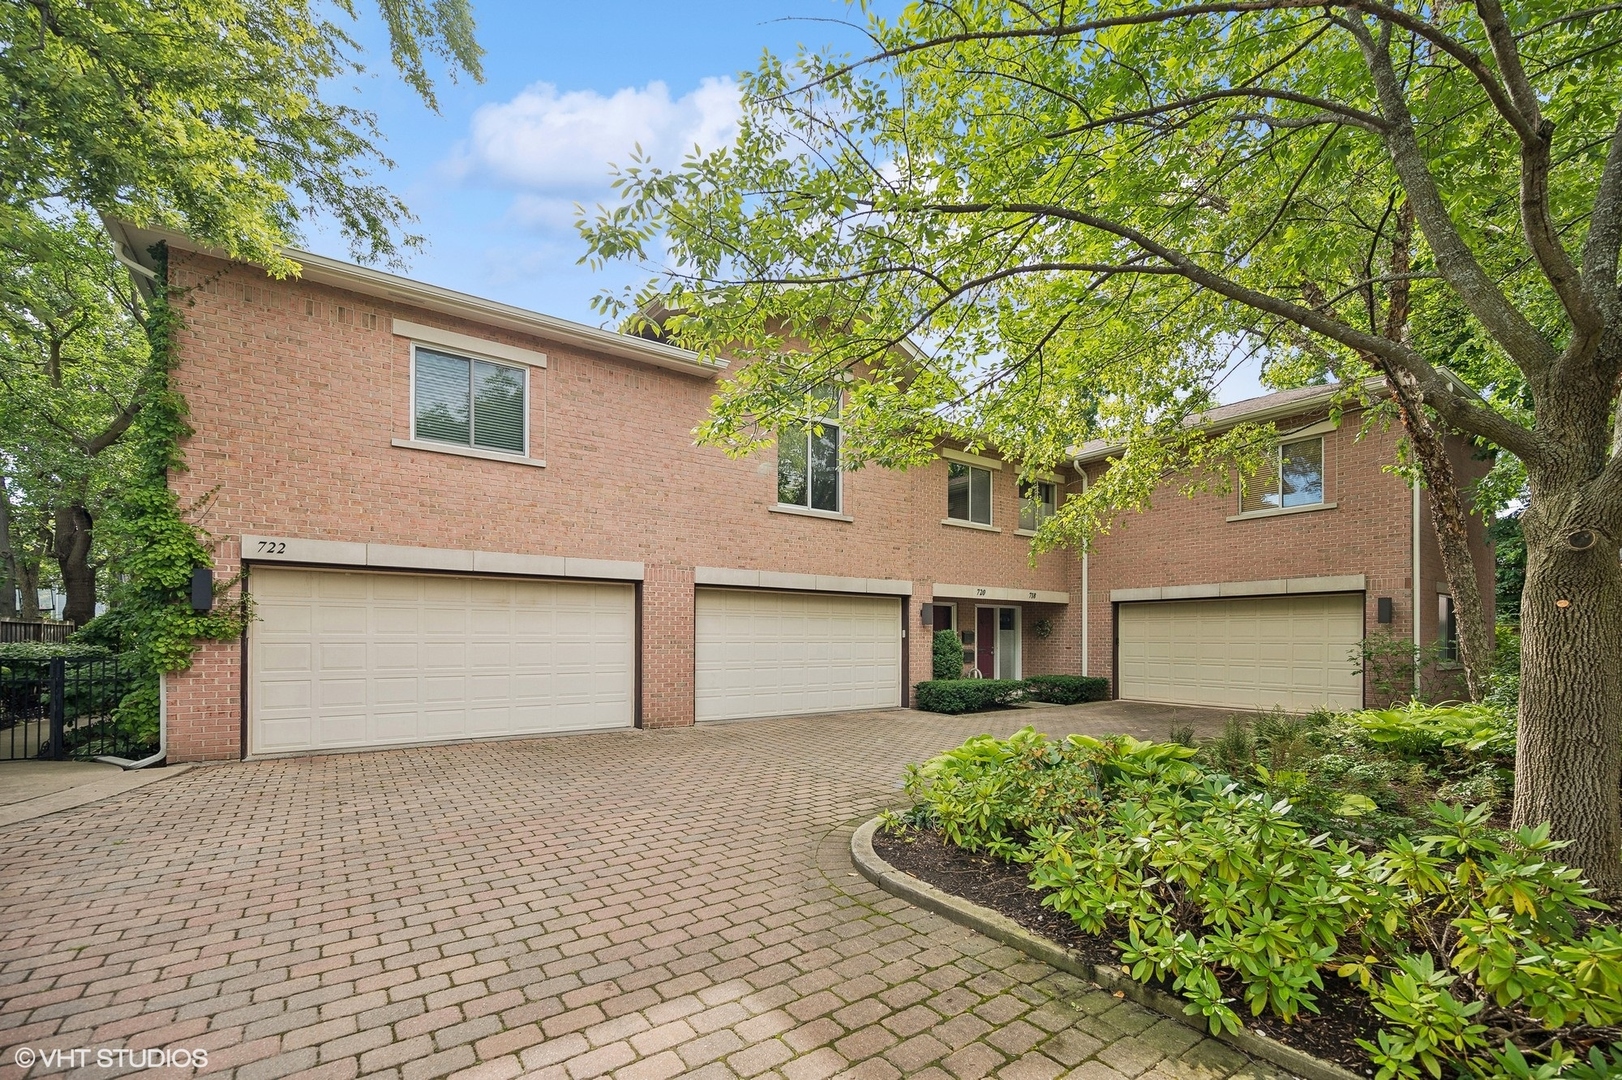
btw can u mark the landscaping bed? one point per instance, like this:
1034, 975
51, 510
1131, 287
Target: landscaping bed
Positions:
1004, 888
1320, 880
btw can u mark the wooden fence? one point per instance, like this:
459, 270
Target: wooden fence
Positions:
27, 630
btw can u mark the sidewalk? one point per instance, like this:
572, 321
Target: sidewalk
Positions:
30, 789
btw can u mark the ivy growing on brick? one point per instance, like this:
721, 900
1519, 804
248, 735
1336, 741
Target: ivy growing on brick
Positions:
150, 613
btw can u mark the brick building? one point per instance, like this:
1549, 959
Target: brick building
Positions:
460, 519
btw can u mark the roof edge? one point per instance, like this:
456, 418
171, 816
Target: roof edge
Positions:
131, 243
1371, 384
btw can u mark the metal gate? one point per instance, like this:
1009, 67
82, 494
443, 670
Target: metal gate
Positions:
65, 708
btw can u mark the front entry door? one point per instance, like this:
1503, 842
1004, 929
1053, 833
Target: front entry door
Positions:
985, 642
996, 642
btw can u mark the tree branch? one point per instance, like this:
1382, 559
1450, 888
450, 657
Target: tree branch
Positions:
1537, 220
1604, 243
1470, 416
1344, 113
1453, 257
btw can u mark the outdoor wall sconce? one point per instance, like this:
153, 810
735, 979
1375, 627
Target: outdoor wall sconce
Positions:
926, 614
1382, 609
202, 589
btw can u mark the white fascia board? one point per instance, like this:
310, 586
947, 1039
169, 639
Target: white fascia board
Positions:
1372, 385
132, 242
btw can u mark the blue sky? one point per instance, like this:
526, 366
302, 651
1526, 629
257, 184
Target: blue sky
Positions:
569, 88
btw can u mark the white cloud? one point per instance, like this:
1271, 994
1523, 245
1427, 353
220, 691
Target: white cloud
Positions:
556, 143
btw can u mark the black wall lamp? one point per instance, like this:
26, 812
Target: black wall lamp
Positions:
1382, 609
926, 614
202, 589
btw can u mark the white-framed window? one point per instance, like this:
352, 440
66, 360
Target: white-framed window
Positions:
1038, 501
968, 493
808, 473
1296, 478
465, 401
1447, 631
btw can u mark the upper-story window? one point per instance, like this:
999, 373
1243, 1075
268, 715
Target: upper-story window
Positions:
808, 458
468, 402
968, 493
1447, 630
1038, 501
1296, 478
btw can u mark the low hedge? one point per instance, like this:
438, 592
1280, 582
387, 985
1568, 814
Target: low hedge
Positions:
955, 696
1067, 689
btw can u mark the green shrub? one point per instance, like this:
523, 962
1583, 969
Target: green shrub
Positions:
967, 695
31, 652
1418, 730
1067, 689
1460, 936
948, 655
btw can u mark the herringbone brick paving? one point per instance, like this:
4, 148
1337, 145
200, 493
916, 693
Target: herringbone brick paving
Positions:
636, 905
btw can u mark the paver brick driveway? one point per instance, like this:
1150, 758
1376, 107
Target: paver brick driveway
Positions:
640, 904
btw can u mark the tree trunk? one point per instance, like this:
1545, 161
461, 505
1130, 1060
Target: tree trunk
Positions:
28, 585
72, 551
8, 557
1451, 524
1568, 766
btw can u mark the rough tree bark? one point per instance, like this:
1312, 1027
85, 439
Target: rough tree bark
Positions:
28, 586
8, 557
1569, 753
71, 546
1427, 441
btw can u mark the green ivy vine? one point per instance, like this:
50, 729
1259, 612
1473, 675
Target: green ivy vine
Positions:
150, 617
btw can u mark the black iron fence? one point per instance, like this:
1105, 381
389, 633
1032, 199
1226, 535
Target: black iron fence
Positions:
67, 708
34, 630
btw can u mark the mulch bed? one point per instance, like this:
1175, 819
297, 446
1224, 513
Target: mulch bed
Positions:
1345, 1014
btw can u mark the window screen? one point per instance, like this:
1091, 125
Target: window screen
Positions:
469, 402
968, 493
1037, 503
1295, 479
808, 459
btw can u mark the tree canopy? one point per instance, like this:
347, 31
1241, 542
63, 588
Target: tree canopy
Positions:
207, 116
1083, 209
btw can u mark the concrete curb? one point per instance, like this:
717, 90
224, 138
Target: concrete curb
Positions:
1001, 928
81, 794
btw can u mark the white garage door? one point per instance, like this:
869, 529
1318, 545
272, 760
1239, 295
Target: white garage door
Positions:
1292, 652
778, 653
351, 660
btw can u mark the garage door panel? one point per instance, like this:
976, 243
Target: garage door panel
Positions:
763, 653
1286, 651
343, 660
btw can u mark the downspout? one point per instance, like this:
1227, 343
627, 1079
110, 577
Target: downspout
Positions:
163, 733
1085, 611
1415, 602
1086, 608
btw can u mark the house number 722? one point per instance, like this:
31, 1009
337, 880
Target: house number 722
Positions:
273, 547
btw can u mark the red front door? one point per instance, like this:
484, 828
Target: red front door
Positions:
985, 641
